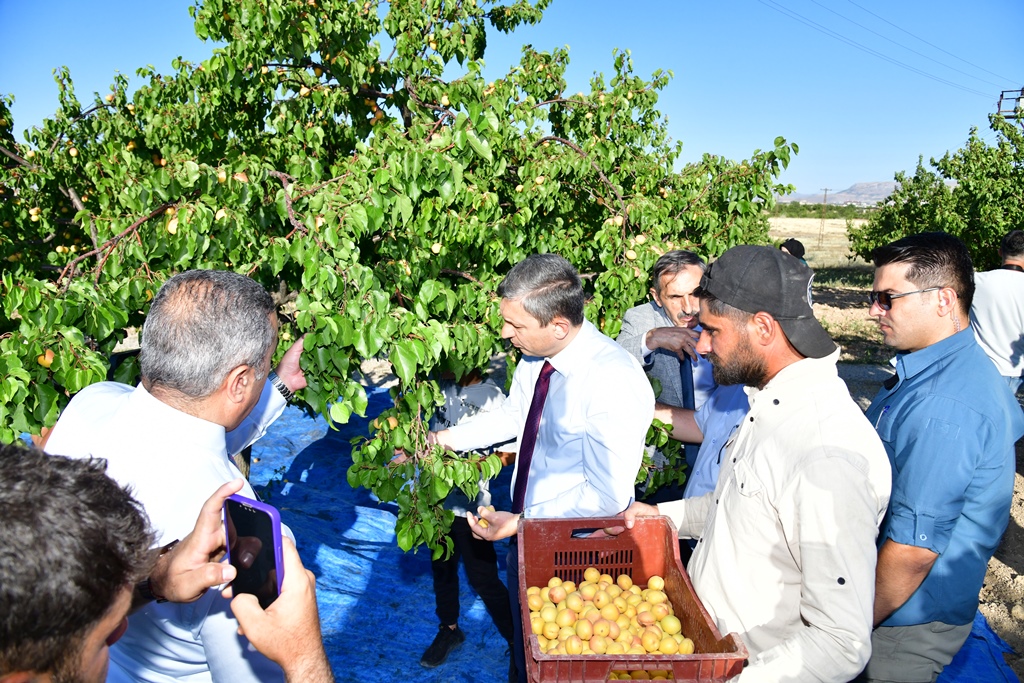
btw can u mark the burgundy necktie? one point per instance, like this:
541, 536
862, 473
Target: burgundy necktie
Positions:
540, 393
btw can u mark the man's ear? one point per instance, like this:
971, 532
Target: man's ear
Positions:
237, 382
561, 327
948, 301
654, 295
764, 327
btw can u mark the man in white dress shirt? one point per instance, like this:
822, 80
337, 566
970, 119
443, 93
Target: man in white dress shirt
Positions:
785, 551
599, 405
205, 364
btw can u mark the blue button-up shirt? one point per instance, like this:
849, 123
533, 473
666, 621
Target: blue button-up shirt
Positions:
949, 424
717, 420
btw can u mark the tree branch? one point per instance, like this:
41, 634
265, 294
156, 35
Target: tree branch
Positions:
18, 159
69, 269
572, 145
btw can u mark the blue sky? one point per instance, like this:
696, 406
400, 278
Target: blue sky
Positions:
821, 73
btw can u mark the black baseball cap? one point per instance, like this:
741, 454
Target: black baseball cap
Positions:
755, 279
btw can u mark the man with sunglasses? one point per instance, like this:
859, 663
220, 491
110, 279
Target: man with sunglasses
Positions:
948, 423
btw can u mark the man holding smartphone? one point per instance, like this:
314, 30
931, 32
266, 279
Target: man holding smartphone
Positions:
206, 392
69, 559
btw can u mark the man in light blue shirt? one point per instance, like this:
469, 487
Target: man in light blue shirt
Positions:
712, 425
948, 423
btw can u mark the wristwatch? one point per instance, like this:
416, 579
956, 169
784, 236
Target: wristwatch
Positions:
280, 385
145, 587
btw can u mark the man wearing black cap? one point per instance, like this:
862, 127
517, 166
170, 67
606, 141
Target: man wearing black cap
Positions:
785, 553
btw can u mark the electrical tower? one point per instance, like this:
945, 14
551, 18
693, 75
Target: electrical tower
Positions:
824, 206
1011, 102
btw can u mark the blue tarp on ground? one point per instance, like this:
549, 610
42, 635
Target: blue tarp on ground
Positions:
377, 603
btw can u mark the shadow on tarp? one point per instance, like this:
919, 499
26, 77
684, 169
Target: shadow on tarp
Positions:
376, 602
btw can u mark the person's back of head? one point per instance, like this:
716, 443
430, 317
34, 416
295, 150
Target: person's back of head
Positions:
1012, 246
71, 543
201, 325
933, 259
547, 286
793, 247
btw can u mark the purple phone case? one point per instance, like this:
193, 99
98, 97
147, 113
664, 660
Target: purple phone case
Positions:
275, 525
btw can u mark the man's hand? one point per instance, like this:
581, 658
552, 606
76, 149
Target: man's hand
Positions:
192, 566
499, 524
288, 369
629, 515
681, 341
441, 438
287, 632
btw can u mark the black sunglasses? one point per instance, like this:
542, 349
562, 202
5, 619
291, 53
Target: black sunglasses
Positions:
884, 299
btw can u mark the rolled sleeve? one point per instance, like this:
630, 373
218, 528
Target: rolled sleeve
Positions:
935, 462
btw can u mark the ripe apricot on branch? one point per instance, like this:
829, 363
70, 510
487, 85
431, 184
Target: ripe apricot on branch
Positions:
45, 358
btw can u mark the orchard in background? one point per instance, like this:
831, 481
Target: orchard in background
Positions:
322, 152
975, 193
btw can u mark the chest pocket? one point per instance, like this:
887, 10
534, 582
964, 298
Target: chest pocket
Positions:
746, 481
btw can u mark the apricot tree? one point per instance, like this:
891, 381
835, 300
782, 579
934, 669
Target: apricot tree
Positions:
321, 150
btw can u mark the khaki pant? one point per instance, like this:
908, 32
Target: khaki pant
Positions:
912, 654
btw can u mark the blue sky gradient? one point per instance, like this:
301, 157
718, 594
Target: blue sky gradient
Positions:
863, 86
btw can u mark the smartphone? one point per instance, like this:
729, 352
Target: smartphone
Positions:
253, 533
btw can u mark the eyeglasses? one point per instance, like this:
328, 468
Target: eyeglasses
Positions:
884, 299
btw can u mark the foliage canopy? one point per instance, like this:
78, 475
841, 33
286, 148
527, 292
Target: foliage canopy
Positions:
975, 193
321, 151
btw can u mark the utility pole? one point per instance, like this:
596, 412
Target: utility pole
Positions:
824, 205
1011, 103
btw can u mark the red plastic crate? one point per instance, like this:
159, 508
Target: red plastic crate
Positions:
548, 548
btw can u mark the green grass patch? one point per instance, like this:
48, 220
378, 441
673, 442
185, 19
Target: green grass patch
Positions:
853, 277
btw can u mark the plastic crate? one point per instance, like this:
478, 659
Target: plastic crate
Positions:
548, 547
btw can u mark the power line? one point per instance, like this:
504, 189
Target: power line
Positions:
909, 49
863, 48
1004, 78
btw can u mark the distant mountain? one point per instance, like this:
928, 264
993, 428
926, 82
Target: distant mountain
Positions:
859, 194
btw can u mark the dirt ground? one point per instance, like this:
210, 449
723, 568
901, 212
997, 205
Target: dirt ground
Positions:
844, 313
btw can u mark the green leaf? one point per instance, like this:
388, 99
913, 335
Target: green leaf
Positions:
479, 146
340, 412
403, 360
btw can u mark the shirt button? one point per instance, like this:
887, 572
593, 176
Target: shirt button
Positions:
775, 401
751, 418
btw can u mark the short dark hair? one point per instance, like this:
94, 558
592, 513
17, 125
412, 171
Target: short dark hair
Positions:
936, 259
1012, 245
201, 325
71, 539
671, 262
546, 285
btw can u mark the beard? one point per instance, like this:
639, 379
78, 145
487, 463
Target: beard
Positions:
743, 366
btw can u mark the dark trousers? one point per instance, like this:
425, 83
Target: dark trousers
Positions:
512, 580
481, 564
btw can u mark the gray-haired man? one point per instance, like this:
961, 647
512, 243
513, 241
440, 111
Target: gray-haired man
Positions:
206, 351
